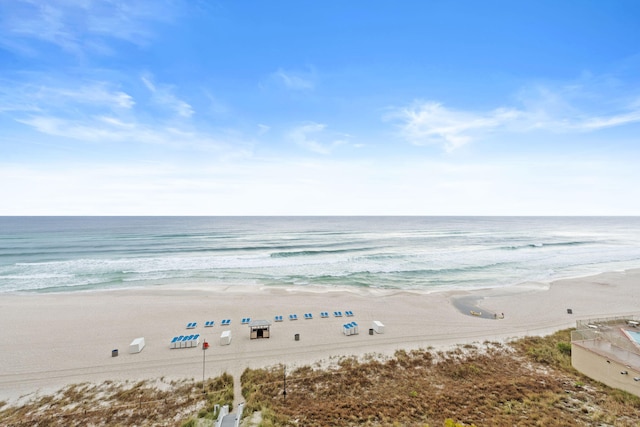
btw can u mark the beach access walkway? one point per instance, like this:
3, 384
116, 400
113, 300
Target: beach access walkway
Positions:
225, 419
229, 420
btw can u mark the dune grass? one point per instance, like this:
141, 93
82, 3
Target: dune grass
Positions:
527, 383
143, 403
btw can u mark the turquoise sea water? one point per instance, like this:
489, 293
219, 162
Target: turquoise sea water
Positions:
46, 254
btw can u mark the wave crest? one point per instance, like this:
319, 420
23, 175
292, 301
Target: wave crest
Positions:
549, 244
314, 252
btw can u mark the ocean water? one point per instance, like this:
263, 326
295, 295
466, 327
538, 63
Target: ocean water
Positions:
51, 254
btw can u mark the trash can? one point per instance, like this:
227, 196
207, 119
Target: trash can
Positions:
569, 311
371, 331
297, 337
114, 353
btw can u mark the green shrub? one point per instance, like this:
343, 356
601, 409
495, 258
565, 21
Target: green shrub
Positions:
564, 348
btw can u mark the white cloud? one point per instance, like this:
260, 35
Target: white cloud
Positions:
295, 80
99, 112
216, 106
39, 96
431, 123
163, 96
262, 129
108, 129
605, 122
79, 26
543, 109
310, 136
95, 94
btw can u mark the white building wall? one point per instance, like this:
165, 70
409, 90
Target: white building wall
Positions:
605, 370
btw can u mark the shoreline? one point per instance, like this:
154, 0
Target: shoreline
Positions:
50, 340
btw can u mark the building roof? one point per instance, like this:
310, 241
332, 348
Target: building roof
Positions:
605, 336
255, 323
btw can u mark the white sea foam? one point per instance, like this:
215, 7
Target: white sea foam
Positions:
400, 253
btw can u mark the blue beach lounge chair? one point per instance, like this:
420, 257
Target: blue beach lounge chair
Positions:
278, 318
293, 317
246, 320
308, 316
337, 313
324, 314
349, 313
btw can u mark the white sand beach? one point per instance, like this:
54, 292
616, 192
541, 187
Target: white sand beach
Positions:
50, 340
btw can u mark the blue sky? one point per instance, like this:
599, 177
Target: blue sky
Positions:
185, 107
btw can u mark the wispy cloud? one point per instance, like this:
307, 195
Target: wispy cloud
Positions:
589, 104
42, 96
311, 136
78, 26
101, 112
540, 108
431, 123
596, 123
96, 93
295, 80
263, 129
108, 129
163, 95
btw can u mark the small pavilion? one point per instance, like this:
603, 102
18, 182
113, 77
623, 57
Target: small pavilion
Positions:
259, 329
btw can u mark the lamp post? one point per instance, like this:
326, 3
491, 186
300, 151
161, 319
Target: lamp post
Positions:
205, 346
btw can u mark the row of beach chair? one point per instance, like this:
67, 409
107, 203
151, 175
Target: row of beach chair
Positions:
323, 314
279, 318
211, 323
185, 341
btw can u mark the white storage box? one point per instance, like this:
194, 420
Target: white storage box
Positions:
136, 345
378, 327
225, 338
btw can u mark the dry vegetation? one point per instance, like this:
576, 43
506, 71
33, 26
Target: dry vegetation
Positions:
528, 383
144, 403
